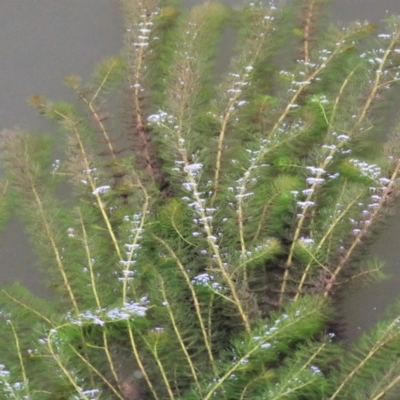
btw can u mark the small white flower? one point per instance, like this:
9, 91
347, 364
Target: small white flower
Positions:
101, 190
193, 168
315, 181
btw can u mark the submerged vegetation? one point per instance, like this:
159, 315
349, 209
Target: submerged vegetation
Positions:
205, 237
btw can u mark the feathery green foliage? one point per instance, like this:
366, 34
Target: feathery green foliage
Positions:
197, 255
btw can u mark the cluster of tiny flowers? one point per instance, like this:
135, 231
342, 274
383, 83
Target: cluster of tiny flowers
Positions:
296, 81
140, 32
243, 188
286, 388
197, 201
193, 170
56, 165
138, 37
161, 117
91, 394
71, 232
320, 98
135, 233
376, 197
88, 172
101, 190
257, 251
373, 203
372, 171
267, 331
218, 393
206, 280
306, 241
317, 174
286, 129
313, 180
172, 134
239, 81
301, 78
7, 389
383, 66
101, 317
236, 359
240, 190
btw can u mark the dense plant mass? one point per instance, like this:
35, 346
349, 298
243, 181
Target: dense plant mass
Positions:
197, 256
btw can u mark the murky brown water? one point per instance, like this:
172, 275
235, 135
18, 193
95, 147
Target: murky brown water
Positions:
41, 41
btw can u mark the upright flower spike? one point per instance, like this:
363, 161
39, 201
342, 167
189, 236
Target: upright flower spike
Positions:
145, 22
175, 121
257, 45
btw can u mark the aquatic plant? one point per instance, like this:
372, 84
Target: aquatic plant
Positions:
197, 253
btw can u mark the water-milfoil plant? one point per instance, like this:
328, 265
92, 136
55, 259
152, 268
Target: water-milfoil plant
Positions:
205, 234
